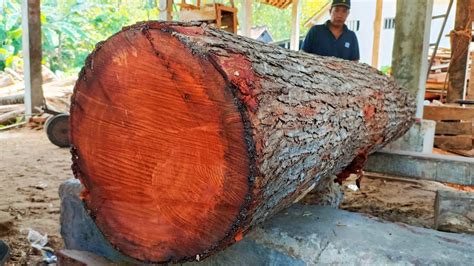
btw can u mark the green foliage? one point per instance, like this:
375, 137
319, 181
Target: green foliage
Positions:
10, 32
387, 70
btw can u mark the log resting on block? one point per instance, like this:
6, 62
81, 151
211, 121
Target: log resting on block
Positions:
185, 136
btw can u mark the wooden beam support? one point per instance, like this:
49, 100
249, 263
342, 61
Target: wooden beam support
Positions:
377, 28
454, 128
448, 113
32, 54
461, 142
460, 41
247, 11
410, 50
295, 25
470, 90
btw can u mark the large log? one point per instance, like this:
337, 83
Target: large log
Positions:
185, 136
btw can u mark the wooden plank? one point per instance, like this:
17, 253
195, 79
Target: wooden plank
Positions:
466, 153
435, 85
461, 142
454, 211
460, 40
377, 28
440, 67
453, 128
205, 14
437, 77
432, 112
277, 3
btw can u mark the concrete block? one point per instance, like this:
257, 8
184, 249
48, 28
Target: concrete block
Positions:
420, 138
77, 227
299, 235
436, 167
68, 257
454, 211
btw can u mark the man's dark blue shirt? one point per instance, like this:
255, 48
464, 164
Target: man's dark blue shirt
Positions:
321, 41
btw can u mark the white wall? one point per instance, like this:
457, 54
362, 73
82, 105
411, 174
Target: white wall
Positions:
440, 8
364, 10
389, 9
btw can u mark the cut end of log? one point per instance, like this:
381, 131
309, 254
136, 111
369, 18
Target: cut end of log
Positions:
159, 143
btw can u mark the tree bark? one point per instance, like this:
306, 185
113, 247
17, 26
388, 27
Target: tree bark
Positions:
460, 41
185, 136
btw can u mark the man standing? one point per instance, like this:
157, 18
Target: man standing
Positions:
333, 38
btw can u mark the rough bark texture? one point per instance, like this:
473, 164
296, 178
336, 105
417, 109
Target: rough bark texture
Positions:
185, 136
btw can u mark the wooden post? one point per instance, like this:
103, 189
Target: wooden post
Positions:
410, 49
31, 26
377, 26
460, 40
166, 10
470, 91
295, 25
247, 17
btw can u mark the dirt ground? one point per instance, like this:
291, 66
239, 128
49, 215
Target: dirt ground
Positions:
31, 169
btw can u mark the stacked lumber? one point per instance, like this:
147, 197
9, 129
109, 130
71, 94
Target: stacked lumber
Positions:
454, 127
436, 83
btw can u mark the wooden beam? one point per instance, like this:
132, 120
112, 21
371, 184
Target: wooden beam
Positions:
32, 55
470, 91
377, 28
460, 41
247, 11
295, 25
448, 113
453, 128
461, 142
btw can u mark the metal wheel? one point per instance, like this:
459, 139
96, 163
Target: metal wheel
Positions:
57, 129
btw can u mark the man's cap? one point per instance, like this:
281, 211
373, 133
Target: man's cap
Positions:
346, 3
